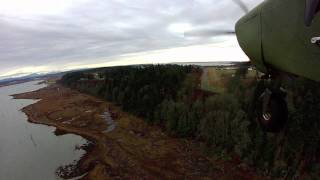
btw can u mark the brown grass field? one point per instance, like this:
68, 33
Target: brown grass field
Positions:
216, 79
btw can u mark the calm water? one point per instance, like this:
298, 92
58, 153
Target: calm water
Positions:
30, 151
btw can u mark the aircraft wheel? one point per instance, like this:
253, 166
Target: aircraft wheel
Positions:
274, 117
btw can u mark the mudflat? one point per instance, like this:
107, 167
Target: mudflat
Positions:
123, 146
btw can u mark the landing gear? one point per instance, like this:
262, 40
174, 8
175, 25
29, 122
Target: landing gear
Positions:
271, 107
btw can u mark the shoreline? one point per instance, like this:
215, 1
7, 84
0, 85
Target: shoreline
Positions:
62, 171
78, 169
133, 149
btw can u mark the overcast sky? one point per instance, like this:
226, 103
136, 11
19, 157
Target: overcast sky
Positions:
51, 35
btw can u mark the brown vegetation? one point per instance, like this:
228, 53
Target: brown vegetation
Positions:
133, 150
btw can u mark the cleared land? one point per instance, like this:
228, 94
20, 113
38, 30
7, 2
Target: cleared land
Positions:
216, 80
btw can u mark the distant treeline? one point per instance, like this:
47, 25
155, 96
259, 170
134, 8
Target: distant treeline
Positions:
170, 96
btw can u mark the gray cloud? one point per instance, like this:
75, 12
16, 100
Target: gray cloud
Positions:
96, 29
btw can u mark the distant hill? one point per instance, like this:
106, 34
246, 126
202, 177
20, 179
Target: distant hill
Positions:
30, 77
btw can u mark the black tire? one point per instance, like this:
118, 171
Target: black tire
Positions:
276, 115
